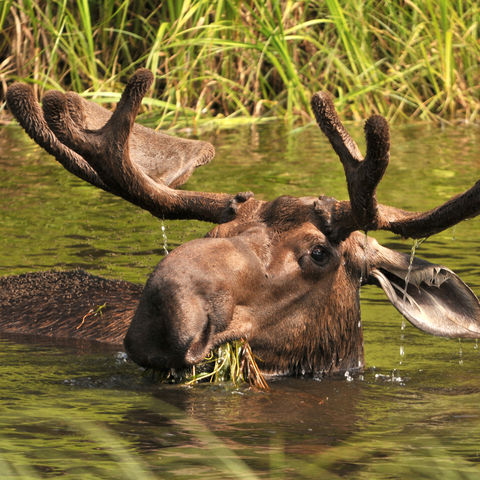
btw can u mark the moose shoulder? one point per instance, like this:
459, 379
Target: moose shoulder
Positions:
283, 274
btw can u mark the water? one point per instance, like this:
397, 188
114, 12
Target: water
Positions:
79, 411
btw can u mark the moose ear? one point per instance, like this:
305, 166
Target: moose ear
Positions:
429, 296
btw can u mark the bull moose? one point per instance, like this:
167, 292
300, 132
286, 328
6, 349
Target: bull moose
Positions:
283, 274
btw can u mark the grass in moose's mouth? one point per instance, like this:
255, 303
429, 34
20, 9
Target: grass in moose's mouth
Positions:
231, 362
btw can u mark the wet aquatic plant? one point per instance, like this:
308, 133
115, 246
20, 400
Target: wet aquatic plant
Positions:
93, 312
231, 362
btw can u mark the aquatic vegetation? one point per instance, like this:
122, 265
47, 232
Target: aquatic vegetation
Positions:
93, 312
231, 362
228, 59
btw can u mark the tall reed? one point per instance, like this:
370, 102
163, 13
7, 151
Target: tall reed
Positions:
254, 59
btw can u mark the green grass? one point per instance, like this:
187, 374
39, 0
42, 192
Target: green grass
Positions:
228, 59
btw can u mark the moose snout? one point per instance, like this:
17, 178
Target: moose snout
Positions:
167, 332
188, 304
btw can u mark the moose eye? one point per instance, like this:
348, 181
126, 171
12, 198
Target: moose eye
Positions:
319, 255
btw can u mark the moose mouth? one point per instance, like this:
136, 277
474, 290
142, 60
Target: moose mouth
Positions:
164, 348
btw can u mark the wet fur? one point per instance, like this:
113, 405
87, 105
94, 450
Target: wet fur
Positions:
53, 304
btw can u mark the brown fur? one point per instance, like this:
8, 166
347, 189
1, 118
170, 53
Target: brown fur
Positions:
63, 305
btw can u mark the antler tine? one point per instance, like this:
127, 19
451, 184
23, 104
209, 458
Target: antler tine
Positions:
123, 118
328, 121
22, 103
363, 175
363, 182
424, 224
107, 151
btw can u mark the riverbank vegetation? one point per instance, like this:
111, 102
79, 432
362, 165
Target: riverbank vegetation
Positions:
230, 59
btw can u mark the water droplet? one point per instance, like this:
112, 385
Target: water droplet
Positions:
363, 273
165, 240
120, 358
460, 352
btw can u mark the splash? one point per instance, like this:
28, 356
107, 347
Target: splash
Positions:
392, 378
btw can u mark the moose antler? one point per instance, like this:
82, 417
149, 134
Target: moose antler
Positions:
110, 151
23, 105
363, 175
143, 166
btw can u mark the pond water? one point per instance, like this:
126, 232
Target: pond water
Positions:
83, 412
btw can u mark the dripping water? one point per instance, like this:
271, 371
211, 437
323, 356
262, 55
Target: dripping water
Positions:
402, 339
402, 351
363, 271
165, 240
415, 245
460, 352
403, 325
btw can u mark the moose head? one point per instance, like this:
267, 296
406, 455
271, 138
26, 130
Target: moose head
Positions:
283, 274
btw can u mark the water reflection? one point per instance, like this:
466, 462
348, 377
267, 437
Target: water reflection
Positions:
310, 419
